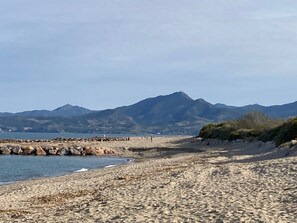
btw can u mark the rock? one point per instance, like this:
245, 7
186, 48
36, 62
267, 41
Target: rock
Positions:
40, 152
63, 151
108, 152
17, 150
47, 148
79, 148
91, 151
84, 151
5, 150
51, 150
75, 151
28, 150
99, 151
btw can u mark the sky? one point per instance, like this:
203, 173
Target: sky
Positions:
103, 54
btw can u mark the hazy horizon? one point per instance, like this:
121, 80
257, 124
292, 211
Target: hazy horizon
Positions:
110, 53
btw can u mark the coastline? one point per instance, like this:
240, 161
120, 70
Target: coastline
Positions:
171, 180
21, 168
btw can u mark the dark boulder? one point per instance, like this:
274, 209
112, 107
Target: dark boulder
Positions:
16, 150
63, 151
74, 151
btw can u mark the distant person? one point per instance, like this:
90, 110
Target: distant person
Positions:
151, 138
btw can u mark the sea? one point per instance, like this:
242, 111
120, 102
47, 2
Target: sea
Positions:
29, 135
15, 168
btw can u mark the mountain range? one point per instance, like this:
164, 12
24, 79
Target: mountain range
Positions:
63, 111
176, 113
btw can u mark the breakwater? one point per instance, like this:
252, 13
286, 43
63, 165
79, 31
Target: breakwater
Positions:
59, 146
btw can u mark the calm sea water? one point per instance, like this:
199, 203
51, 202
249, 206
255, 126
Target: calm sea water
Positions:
25, 135
16, 168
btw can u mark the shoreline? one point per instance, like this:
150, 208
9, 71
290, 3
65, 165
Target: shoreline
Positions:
97, 163
65, 174
176, 180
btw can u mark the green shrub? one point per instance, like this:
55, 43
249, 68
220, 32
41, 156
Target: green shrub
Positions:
256, 121
284, 133
254, 125
219, 131
243, 134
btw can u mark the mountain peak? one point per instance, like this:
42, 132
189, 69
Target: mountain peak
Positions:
65, 107
70, 110
181, 94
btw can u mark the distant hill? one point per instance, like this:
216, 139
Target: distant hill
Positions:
70, 111
158, 110
176, 113
63, 111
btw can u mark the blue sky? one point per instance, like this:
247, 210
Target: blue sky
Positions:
107, 53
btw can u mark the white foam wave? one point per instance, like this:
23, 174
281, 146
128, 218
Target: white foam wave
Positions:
81, 170
108, 166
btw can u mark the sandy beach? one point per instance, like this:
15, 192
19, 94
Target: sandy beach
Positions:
173, 179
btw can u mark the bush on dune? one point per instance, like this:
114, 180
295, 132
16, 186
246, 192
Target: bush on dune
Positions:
256, 121
254, 125
283, 133
220, 131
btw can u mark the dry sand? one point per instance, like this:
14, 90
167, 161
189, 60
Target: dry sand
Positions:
176, 180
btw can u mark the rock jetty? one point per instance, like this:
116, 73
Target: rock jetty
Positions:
57, 147
52, 150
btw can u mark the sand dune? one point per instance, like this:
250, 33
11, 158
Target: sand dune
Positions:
173, 180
